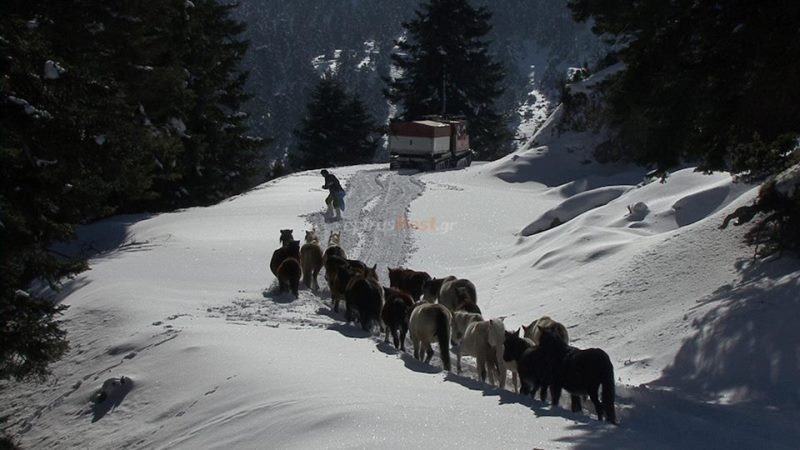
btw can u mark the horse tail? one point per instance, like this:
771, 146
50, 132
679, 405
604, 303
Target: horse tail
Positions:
305, 264
443, 333
561, 331
608, 394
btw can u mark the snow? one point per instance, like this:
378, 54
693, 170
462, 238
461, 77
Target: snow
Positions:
788, 181
52, 70
177, 125
532, 113
183, 309
370, 55
29, 109
322, 64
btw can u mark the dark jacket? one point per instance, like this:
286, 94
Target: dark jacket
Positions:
332, 183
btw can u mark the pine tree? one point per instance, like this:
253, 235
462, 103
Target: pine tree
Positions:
701, 79
446, 69
219, 157
337, 130
105, 107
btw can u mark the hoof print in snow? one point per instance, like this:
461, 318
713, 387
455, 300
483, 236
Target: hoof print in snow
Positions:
110, 396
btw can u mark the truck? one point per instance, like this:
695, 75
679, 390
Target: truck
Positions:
433, 143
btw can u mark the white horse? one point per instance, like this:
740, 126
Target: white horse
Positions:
430, 322
485, 340
458, 326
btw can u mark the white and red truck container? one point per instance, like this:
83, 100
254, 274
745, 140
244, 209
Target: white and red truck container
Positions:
431, 144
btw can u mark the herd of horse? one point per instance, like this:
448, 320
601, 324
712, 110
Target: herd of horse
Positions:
445, 311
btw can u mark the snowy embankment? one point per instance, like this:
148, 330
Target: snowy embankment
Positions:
183, 306
700, 334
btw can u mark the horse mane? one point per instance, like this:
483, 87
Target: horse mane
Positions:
311, 237
294, 248
550, 342
334, 239
286, 237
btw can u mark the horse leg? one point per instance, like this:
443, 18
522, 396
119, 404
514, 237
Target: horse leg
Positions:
458, 359
403, 332
524, 388
576, 403
491, 369
515, 380
501, 367
598, 408
395, 336
348, 312
429, 351
537, 387
365, 320
555, 394
543, 392
481, 367
494, 372
416, 348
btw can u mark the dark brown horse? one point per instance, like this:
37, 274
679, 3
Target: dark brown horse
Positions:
290, 249
396, 311
580, 372
337, 280
363, 295
409, 281
289, 272
533, 370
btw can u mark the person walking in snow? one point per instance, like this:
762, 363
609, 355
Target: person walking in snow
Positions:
335, 199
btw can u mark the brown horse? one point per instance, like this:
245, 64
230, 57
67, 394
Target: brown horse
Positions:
311, 260
289, 272
338, 283
534, 330
289, 249
363, 295
396, 311
409, 281
456, 293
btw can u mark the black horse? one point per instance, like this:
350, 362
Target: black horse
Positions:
364, 295
580, 372
534, 373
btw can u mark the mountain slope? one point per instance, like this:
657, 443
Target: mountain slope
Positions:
294, 43
183, 307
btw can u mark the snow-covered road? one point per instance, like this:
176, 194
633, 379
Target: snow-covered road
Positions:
374, 227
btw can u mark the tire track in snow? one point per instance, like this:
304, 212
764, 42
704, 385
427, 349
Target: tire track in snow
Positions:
377, 201
374, 228
374, 224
